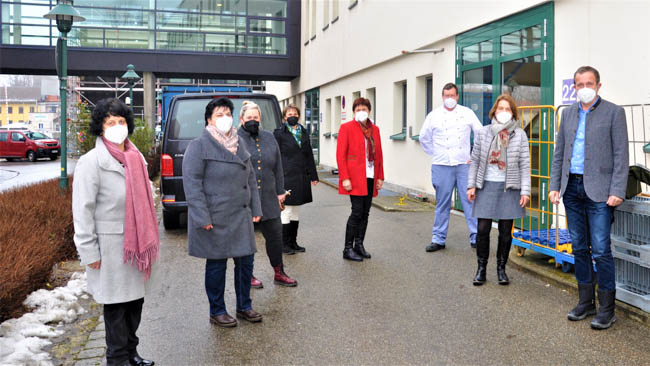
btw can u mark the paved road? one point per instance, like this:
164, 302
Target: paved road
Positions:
404, 306
17, 173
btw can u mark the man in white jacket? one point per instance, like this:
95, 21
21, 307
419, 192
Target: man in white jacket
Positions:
445, 136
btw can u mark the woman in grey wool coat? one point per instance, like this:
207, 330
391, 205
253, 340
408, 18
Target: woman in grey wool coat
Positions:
116, 228
223, 203
499, 182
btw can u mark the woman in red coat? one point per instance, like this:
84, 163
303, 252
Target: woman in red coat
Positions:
361, 174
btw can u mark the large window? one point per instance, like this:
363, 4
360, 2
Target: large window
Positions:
213, 26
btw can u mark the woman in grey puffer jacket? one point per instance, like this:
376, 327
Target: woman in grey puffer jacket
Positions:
499, 181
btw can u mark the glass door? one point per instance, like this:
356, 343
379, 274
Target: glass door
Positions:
312, 120
513, 56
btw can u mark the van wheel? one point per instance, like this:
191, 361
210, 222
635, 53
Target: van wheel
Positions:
31, 156
171, 220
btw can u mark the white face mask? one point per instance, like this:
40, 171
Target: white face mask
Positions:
586, 95
116, 134
503, 117
224, 124
361, 116
450, 103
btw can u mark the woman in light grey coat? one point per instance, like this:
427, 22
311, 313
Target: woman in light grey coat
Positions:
116, 230
223, 203
499, 183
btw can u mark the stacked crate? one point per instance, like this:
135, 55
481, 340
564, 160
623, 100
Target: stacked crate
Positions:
631, 250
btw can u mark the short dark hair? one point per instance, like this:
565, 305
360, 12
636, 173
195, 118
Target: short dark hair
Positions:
361, 101
216, 103
110, 107
288, 107
583, 69
449, 86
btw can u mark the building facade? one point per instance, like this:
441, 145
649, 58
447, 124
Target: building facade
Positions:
526, 48
16, 111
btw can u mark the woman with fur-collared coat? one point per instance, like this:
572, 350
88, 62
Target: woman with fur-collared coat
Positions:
116, 228
223, 203
361, 174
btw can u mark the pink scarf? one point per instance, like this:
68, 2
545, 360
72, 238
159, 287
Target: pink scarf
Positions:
141, 242
229, 140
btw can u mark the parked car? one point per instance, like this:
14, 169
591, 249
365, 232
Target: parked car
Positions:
185, 122
16, 144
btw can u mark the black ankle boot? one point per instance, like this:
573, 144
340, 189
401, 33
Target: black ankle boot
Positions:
348, 252
503, 251
480, 277
501, 273
294, 237
358, 240
286, 238
606, 303
586, 303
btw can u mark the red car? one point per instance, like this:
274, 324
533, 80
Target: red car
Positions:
27, 144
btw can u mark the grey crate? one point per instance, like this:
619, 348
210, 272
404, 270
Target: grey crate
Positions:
632, 283
634, 253
632, 221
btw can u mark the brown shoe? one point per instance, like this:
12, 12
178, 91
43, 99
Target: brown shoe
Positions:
224, 320
250, 315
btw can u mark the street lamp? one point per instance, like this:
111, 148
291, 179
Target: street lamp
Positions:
64, 14
131, 76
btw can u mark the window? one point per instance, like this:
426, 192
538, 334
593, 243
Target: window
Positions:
16, 136
31, 109
21, 110
423, 101
0, 109
328, 116
314, 7
335, 10
399, 107
355, 95
337, 114
4, 136
306, 18
370, 95
10, 109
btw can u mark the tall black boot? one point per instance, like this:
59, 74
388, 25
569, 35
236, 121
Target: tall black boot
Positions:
482, 255
606, 304
503, 251
286, 239
294, 236
348, 252
586, 303
358, 240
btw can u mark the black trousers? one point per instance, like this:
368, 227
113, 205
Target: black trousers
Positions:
121, 321
483, 237
358, 220
272, 231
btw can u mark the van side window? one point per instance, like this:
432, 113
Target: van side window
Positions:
15, 136
4, 136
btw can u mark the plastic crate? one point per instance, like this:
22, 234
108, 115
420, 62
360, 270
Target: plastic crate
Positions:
639, 254
632, 221
632, 283
544, 237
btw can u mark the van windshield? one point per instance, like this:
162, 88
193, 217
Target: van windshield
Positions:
188, 117
36, 136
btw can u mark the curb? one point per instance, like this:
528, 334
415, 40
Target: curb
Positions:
622, 309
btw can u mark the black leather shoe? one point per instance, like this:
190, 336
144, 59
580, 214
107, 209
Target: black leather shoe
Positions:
473, 245
350, 254
139, 361
433, 247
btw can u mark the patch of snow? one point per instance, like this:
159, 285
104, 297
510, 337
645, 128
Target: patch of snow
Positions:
22, 340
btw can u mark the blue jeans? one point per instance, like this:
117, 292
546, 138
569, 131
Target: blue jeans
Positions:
215, 283
444, 179
590, 224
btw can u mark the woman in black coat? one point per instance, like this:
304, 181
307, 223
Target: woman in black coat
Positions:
299, 174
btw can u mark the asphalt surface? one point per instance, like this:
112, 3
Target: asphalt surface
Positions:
22, 172
403, 306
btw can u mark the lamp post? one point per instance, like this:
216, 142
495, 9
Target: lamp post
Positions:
131, 76
64, 14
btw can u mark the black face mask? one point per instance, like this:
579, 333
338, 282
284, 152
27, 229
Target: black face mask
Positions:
252, 126
292, 121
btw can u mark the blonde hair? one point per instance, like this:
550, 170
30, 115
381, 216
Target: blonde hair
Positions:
248, 105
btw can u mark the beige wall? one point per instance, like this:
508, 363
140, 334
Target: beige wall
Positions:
362, 50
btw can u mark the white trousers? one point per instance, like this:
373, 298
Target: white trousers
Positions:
290, 213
